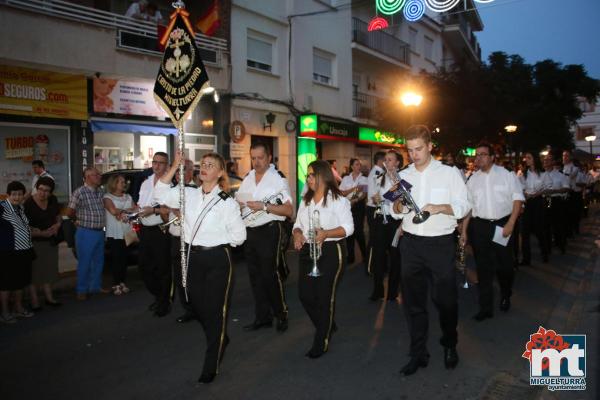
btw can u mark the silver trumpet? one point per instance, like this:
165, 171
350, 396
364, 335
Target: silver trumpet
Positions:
314, 224
164, 226
461, 263
407, 199
253, 215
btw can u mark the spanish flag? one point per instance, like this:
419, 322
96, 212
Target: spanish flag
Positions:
209, 21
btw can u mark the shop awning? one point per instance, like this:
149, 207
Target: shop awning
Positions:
146, 129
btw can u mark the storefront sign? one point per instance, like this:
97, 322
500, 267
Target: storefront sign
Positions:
18, 147
320, 127
34, 93
237, 131
377, 136
127, 97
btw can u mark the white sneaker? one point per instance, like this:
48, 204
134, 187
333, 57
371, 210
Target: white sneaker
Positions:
117, 290
124, 288
7, 318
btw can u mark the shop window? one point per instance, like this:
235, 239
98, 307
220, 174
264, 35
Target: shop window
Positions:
259, 52
323, 67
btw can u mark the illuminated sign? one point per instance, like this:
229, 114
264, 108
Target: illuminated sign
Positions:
307, 153
321, 127
374, 135
469, 151
308, 125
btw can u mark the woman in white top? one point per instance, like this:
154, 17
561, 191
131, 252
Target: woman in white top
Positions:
317, 294
354, 187
117, 204
212, 223
535, 183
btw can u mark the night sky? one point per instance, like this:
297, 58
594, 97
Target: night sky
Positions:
566, 31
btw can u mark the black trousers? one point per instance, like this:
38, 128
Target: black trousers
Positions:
317, 295
533, 222
383, 251
118, 259
358, 217
575, 210
558, 221
491, 258
429, 261
262, 257
370, 211
155, 263
177, 281
209, 282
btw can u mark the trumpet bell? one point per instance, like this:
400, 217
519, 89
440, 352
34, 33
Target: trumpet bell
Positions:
314, 273
421, 217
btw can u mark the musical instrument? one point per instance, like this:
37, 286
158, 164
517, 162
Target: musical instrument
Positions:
379, 207
407, 200
461, 263
314, 224
164, 226
251, 215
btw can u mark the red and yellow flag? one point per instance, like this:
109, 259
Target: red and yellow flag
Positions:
209, 21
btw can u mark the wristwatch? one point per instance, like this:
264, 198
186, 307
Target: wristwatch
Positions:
265, 208
155, 208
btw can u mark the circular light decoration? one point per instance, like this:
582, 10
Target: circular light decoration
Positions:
483, 1
389, 7
377, 23
414, 10
441, 5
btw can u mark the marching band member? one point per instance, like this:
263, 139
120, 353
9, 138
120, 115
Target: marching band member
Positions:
353, 186
497, 198
325, 210
212, 223
270, 204
534, 183
557, 195
373, 188
385, 232
575, 199
428, 248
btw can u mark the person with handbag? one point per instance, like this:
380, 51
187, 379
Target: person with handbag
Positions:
43, 212
118, 204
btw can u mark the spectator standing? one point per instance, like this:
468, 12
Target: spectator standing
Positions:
16, 251
117, 204
43, 212
87, 208
39, 170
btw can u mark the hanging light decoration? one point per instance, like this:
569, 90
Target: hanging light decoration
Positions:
414, 10
377, 23
389, 7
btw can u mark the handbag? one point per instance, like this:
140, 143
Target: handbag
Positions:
130, 236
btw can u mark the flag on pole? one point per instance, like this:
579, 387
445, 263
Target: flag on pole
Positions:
181, 77
209, 22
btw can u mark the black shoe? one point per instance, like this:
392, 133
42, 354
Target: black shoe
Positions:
207, 377
312, 353
187, 317
505, 304
162, 310
450, 357
482, 315
256, 325
282, 324
413, 365
53, 303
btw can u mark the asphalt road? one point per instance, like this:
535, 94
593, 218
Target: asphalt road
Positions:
112, 348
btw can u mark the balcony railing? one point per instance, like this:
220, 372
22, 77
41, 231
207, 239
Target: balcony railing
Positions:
132, 34
380, 41
365, 106
461, 21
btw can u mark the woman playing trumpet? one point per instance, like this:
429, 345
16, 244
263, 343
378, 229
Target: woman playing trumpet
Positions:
317, 294
212, 223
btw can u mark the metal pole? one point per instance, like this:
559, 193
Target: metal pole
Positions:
182, 208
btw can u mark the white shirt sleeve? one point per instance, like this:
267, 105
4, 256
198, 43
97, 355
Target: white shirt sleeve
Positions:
459, 196
344, 213
236, 230
516, 188
346, 182
165, 194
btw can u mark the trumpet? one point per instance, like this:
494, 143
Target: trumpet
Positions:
314, 224
379, 208
461, 263
164, 226
407, 199
251, 215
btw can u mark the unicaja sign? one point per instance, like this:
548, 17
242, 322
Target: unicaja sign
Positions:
556, 361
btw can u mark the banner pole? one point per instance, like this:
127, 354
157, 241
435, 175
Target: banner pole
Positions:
182, 207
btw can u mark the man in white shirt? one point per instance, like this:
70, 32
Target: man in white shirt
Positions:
38, 171
266, 202
154, 248
575, 199
496, 196
372, 189
428, 248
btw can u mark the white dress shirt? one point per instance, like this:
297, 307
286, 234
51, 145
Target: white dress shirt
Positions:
336, 213
559, 181
222, 225
534, 182
437, 184
386, 205
492, 193
571, 171
270, 184
373, 184
348, 182
147, 199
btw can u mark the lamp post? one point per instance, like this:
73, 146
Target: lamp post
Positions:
412, 100
590, 139
510, 129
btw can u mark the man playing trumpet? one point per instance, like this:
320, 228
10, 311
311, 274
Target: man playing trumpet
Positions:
271, 204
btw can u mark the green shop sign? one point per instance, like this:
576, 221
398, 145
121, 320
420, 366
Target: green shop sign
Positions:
321, 127
374, 135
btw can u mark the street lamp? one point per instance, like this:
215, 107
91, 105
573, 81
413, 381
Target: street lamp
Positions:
590, 139
411, 99
511, 129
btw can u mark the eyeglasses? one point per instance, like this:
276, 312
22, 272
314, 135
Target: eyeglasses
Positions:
482, 154
206, 165
158, 162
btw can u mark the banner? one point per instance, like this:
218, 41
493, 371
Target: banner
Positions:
34, 93
127, 97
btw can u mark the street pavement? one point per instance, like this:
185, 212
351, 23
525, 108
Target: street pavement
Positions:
111, 347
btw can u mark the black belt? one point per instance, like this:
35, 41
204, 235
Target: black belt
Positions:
493, 221
428, 238
206, 248
268, 224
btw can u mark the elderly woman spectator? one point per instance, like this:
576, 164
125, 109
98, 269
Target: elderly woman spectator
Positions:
42, 211
117, 204
16, 252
